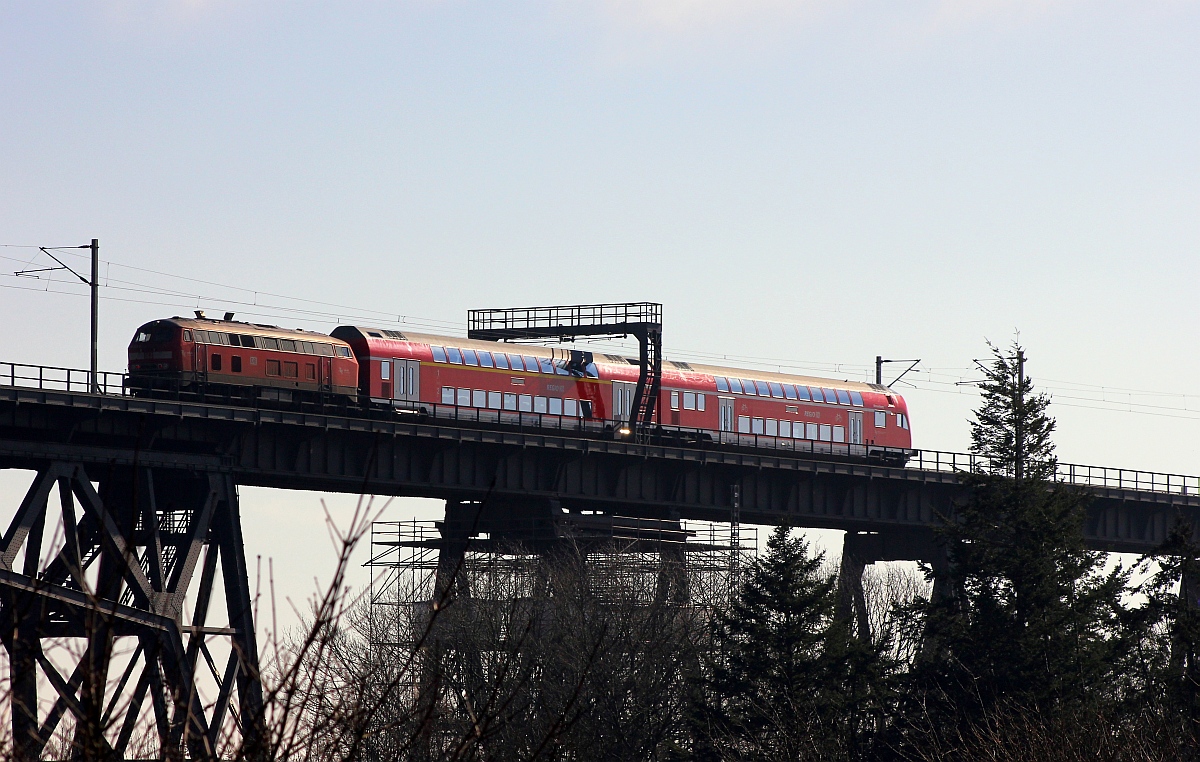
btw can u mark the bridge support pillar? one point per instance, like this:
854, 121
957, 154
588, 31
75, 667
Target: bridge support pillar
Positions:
852, 601
130, 550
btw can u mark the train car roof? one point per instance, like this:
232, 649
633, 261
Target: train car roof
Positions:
254, 329
671, 369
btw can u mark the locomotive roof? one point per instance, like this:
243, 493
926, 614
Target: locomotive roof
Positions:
254, 329
670, 369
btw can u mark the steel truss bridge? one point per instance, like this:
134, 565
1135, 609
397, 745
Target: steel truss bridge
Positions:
147, 494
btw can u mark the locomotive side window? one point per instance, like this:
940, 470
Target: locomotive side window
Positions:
454, 355
269, 342
439, 354
880, 419
343, 351
291, 370
385, 370
310, 371
287, 345
187, 335
235, 363
325, 350
722, 384
215, 361
272, 367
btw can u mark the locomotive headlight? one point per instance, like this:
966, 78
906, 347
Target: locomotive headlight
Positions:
624, 431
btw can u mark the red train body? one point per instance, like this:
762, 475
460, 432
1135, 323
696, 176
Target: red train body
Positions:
489, 381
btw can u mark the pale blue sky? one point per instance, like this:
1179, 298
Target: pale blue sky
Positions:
816, 182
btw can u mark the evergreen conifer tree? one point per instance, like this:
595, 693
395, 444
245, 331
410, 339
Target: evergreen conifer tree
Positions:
1033, 623
789, 680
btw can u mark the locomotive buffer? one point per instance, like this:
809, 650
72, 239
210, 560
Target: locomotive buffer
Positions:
642, 320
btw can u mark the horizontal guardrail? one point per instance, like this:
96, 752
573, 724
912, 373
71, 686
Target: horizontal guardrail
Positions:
50, 378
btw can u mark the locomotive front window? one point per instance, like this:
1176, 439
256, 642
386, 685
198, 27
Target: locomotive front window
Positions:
155, 334
187, 335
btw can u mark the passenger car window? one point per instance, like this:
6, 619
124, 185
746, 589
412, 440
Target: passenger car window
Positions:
545, 366
826, 432
756, 425
743, 424
454, 355
789, 391
531, 364
385, 370
526, 403
843, 397
464, 398
776, 389
689, 400
762, 388
439, 354
510, 401
748, 386
674, 400
772, 427
494, 400
556, 406
501, 360
856, 399
880, 419
802, 392
839, 433
816, 394
700, 402
830, 396
785, 429
735, 385
469, 357
447, 395
722, 384
479, 398
485, 359
570, 408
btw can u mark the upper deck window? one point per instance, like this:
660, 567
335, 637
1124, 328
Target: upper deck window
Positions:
439, 353
789, 391
722, 384
748, 386
802, 391
735, 385
485, 359
454, 355
843, 397
776, 389
545, 365
514, 362
469, 357
501, 360
830, 395
763, 389
531, 364
856, 399
816, 394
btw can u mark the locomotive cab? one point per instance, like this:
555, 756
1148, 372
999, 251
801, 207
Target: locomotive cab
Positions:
156, 353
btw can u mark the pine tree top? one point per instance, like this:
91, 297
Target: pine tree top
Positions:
1011, 430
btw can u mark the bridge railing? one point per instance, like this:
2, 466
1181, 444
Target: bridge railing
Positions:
76, 380
1069, 473
53, 378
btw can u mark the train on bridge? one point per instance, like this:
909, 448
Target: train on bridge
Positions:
446, 376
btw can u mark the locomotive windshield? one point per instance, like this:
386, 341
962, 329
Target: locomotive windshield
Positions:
155, 333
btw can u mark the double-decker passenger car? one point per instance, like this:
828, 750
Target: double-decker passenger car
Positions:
239, 360
492, 382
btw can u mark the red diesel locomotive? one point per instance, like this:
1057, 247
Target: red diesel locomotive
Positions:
507, 383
